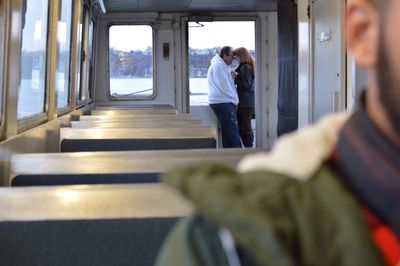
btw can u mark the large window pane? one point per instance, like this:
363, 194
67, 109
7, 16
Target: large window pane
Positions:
63, 52
2, 45
131, 61
31, 93
80, 53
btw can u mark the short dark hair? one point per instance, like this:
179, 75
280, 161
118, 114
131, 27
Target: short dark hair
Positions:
225, 51
378, 3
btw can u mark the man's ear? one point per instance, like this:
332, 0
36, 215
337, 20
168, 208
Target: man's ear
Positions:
362, 31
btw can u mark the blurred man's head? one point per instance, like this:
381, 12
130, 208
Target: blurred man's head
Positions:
226, 54
373, 36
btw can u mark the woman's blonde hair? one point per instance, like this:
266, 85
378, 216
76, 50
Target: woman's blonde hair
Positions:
245, 57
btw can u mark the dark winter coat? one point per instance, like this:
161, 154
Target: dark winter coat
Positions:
245, 86
283, 208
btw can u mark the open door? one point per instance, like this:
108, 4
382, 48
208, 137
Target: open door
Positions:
200, 52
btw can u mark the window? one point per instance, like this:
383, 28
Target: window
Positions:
131, 61
79, 95
2, 45
91, 57
31, 94
63, 52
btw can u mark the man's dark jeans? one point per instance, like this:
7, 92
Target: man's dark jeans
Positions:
226, 114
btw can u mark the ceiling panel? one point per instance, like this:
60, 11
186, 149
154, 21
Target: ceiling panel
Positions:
162, 6
189, 5
120, 5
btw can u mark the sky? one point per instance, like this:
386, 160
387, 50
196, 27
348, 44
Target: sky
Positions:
133, 37
222, 33
212, 34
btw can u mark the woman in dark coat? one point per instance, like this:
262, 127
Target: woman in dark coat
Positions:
244, 80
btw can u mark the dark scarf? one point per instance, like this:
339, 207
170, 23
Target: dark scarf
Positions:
370, 166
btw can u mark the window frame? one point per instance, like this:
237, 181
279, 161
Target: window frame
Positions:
154, 53
33, 120
67, 108
80, 100
92, 57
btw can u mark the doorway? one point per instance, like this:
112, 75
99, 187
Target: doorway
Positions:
205, 39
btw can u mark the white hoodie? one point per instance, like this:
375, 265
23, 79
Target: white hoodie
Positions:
221, 86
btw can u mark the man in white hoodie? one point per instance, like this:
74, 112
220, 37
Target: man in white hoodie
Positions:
223, 97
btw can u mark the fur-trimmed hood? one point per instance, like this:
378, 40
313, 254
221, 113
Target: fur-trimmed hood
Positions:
301, 153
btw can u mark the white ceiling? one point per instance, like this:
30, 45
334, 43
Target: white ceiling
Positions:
189, 5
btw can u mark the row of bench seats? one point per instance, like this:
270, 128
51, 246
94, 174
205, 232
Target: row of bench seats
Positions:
92, 220
116, 136
86, 225
110, 167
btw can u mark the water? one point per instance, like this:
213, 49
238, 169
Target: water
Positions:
143, 87
198, 91
132, 86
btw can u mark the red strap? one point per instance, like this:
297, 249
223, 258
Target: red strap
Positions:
388, 244
384, 238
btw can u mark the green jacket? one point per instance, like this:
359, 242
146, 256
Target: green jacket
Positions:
273, 218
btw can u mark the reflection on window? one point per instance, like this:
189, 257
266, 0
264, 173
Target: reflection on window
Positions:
63, 52
131, 61
80, 58
31, 92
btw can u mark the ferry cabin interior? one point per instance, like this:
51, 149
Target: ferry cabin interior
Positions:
66, 120
65, 80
